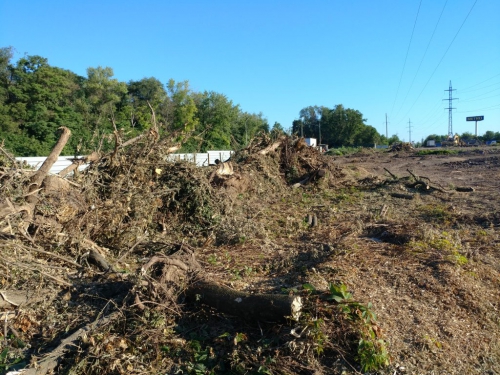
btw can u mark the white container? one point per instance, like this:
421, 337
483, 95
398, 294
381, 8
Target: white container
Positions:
312, 142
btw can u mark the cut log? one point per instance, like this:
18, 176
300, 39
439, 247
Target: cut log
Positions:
251, 307
402, 196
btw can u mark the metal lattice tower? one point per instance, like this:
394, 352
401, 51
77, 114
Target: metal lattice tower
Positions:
450, 108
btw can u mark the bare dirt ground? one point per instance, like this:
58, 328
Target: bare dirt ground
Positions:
440, 311
408, 236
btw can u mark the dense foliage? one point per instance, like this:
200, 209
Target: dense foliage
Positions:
37, 98
338, 126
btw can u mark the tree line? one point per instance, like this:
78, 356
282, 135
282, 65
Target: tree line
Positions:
487, 136
37, 98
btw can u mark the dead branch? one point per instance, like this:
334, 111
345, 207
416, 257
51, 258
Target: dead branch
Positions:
392, 175
14, 161
39, 176
53, 255
313, 176
78, 162
132, 140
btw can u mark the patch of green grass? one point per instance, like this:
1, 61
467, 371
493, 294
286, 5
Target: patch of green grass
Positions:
341, 151
437, 213
445, 244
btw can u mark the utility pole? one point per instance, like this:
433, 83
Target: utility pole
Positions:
450, 118
386, 132
409, 128
319, 130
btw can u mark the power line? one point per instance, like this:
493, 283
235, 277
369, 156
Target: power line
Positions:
486, 80
442, 58
482, 109
473, 98
406, 57
423, 57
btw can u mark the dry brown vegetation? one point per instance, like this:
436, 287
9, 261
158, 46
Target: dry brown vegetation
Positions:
96, 270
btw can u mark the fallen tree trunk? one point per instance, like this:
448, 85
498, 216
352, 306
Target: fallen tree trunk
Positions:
251, 307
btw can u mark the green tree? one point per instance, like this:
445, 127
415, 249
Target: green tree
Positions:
489, 136
277, 129
466, 136
341, 126
181, 110
141, 95
393, 139
216, 114
6, 123
103, 95
40, 100
367, 137
309, 123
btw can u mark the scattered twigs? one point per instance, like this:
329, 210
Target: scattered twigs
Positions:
418, 182
139, 240
56, 279
52, 255
50, 361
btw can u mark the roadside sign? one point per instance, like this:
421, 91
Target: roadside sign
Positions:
475, 118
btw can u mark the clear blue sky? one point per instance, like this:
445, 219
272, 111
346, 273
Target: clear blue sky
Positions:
277, 57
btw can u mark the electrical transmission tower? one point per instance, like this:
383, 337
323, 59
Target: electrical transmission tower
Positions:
450, 116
